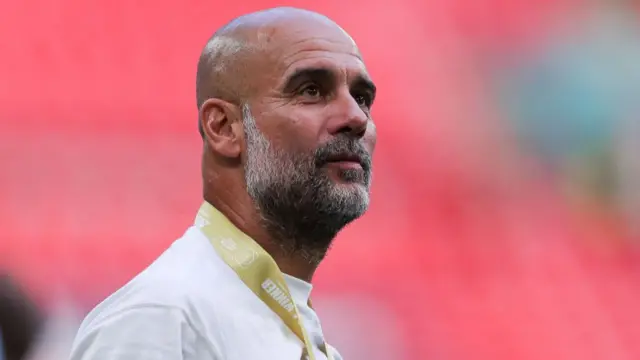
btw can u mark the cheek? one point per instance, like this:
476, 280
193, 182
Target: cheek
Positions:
298, 133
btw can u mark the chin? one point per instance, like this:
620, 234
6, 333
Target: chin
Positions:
350, 199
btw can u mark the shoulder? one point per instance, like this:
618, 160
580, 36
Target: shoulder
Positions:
141, 332
160, 308
172, 279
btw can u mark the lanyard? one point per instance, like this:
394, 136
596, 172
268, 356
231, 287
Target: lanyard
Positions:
256, 268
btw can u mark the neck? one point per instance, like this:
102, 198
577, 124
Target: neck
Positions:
297, 263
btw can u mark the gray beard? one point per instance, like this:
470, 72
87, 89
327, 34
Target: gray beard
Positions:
300, 206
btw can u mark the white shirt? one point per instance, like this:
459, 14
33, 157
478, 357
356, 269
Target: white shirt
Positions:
189, 304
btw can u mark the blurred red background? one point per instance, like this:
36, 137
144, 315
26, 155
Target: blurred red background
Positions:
470, 250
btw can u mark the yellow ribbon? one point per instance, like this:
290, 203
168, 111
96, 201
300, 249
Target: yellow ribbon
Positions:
256, 268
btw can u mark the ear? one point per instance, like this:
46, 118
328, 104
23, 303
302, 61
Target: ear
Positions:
222, 127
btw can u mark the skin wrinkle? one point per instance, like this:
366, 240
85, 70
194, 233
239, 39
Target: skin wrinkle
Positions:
267, 149
289, 62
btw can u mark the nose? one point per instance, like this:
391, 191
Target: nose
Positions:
349, 117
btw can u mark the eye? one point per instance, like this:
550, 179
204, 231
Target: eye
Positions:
311, 91
363, 100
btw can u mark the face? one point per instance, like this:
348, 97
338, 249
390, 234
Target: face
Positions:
310, 140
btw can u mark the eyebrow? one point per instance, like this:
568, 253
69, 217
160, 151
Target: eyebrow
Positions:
326, 76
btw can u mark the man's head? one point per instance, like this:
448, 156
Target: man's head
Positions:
285, 101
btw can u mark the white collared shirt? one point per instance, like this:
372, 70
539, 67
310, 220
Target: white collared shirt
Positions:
190, 305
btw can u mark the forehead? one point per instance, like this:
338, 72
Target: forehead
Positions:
320, 45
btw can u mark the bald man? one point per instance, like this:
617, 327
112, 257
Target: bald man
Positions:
284, 103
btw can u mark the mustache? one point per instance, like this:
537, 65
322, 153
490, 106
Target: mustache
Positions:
343, 146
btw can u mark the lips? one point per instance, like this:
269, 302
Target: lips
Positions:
344, 153
345, 158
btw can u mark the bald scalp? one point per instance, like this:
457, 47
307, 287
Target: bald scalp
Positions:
222, 67
228, 63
